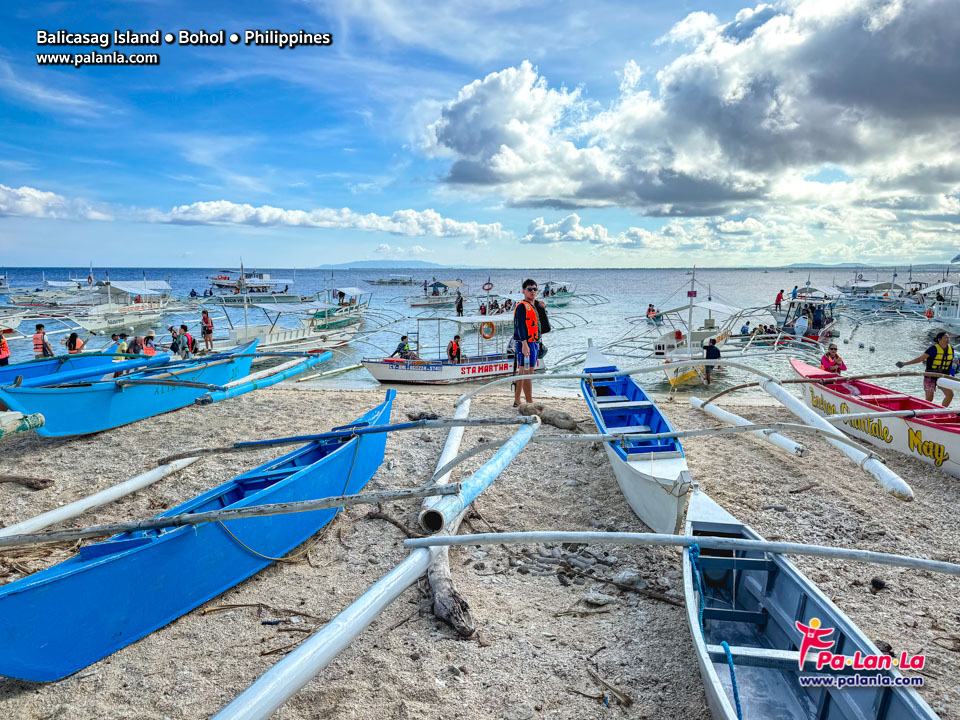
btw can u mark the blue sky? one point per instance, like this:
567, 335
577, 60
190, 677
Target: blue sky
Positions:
517, 133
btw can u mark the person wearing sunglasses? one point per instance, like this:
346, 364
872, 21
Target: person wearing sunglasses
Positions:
526, 333
831, 362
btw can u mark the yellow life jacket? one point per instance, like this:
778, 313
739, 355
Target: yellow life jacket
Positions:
943, 359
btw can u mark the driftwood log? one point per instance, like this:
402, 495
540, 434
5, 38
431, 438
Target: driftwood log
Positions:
550, 416
448, 604
30, 482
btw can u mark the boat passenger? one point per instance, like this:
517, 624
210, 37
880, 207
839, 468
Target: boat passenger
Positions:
711, 352
778, 301
483, 308
526, 334
122, 344
939, 359
793, 293
800, 326
193, 293
403, 350
149, 348
817, 318
831, 362
459, 304
745, 329
4, 351
174, 340
41, 347
508, 305
188, 343
136, 346
454, 350
74, 345
206, 330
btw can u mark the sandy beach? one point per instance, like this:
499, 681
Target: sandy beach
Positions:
537, 635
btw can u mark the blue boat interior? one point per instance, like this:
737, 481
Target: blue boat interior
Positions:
619, 405
753, 604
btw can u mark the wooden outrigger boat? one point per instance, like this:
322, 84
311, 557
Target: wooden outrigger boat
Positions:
491, 359
934, 439
439, 294
76, 366
752, 601
59, 620
652, 474
91, 405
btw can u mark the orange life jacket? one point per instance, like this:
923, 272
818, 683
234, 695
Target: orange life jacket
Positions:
455, 350
38, 344
4, 348
149, 350
532, 319
207, 322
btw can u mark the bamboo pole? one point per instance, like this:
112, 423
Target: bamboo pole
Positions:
326, 373
175, 521
784, 443
103, 497
350, 431
714, 543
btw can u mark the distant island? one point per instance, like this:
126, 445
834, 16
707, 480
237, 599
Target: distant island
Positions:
391, 265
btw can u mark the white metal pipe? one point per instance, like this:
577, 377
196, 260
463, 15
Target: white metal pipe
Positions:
777, 439
704, 541
892, 482
97, 499
948, 384
450, 449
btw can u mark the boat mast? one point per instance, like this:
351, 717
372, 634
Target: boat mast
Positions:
690, 296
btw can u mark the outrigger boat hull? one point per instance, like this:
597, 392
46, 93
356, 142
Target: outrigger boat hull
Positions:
55, 622
437, 372
93, 406
934, 440
652, 474
51, 366
752, 600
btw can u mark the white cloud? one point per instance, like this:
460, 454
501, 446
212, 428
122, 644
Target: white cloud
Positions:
398, 252
30, 202
49, 98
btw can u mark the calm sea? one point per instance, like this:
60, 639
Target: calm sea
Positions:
628, 290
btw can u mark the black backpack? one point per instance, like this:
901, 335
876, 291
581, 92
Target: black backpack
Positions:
543, 319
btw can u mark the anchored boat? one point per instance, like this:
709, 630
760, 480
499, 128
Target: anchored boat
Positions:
90, 405
652, 474
57, 621
934, 439
744, 608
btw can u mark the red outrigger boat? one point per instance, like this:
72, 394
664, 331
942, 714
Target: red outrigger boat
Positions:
935, 439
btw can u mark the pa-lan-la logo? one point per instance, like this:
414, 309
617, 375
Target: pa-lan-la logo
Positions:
817, 638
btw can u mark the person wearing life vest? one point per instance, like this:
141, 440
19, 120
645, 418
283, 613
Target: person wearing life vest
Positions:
188, 343
206, 329
4, 351
149, 349
74, 346
41, 347
455, 350
526, 333
403, 350
939, 359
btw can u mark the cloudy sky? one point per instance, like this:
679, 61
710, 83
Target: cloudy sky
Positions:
506, 133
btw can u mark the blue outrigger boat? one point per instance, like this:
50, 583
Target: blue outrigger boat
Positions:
78, 365
90, 405
113, 593
752, 601
652, 474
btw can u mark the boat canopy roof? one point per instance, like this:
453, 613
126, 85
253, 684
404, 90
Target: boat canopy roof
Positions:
65, 283
711, 305
293, 308
446, 283
499, 319
874, 285
351, 291
830, 291
137, 287
937, 287
557, 282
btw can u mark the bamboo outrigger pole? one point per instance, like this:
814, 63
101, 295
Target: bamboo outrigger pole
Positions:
716, 543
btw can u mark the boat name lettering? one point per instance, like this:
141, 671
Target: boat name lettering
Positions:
483, 369
868, 426
926, 448
422, 367
819, 402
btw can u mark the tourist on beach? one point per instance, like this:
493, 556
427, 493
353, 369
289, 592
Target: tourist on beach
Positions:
711, 352
454, 350
831, 362
526, 334
188, 344
174, 340
136, 346
149, 348
41, 347
459, 304
4, 351
778, 301
403, 350
206, 329
122, 344
939, 359
74, 345
793, 293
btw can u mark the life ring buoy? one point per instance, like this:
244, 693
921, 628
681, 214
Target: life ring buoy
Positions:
488, 286
483, 330
860, 276
929, 314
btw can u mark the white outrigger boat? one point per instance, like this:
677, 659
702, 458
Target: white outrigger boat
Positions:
439, 294
491, 359
250, 286
652, 474
313, 333
743, 608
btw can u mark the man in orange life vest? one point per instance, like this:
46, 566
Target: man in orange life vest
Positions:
526, 333
454, 350
41, 346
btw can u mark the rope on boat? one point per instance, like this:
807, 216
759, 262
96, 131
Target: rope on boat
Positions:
733, 678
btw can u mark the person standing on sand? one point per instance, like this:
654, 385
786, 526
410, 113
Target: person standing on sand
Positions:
526, 334
939, 359
711, 352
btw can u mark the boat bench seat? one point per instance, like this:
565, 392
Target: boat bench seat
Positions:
778, 659
603, 399
880, 397
625, 404
629, 429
